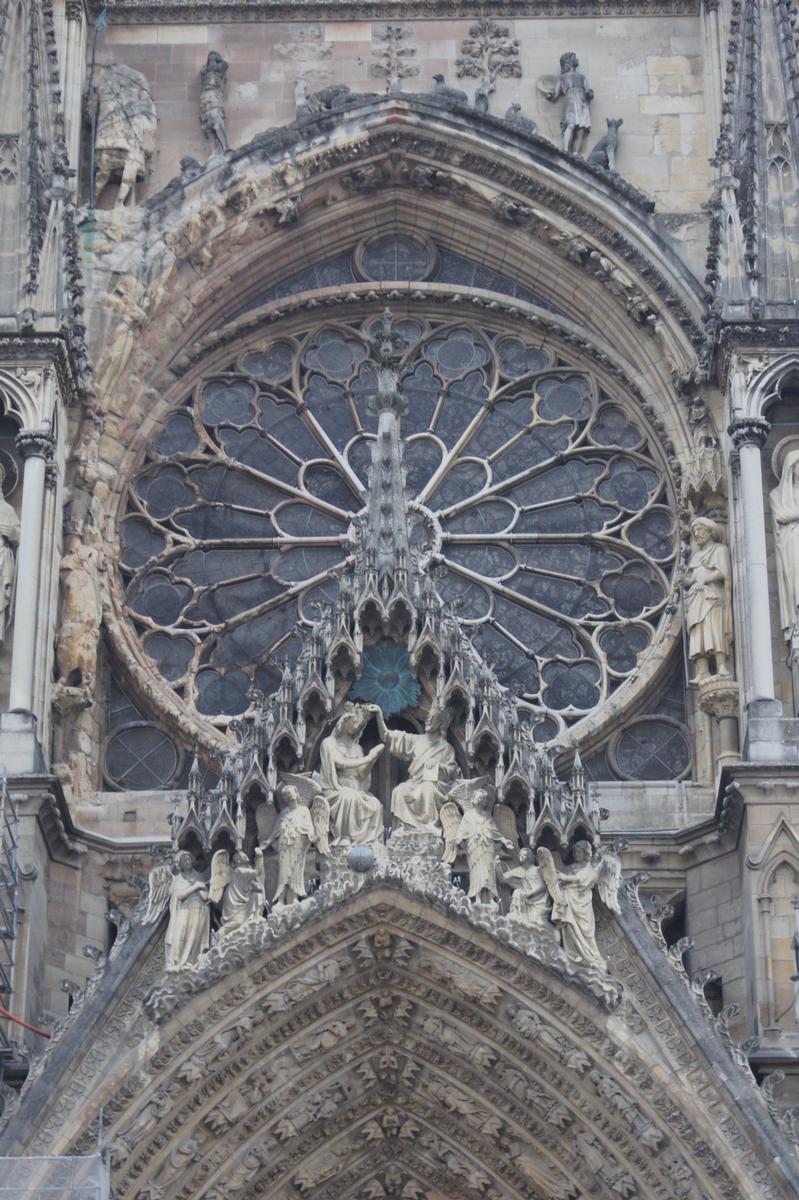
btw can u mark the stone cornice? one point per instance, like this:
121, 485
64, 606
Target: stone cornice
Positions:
124, 12
23, 349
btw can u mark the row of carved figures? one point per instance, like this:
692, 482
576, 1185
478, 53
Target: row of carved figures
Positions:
121, 104
436, 816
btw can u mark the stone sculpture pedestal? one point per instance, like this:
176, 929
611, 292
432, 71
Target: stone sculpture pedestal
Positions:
718, 696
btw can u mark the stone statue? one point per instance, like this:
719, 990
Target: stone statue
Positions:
239, 887
81, 617
530, 901
9, 540
708, 602
328, 99
604, 152
356, 816
785, 515
572, 892
479, 833
294, 831
484, 90
212, 101
126, 125
416, 803
185, 893
514, 117
573, 87
448, 95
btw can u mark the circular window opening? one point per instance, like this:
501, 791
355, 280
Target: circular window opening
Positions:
395, 256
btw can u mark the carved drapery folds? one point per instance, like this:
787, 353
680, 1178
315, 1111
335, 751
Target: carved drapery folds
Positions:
212, 101
784, 503
385, 600
377, 1035
572, 87
126, 125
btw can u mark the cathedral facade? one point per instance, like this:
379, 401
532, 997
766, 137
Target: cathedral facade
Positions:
399, 576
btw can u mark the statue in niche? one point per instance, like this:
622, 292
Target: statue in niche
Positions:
9, 540
356, 816
708, 601
416, 803
212, 101
530, 901
239, 887
294, 831
478, 832
185, 893
572, 892
785, 515
126, 126
573, 87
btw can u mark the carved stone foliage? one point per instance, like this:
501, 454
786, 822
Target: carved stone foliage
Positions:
489, 52
126, 127
411, 1051
9, 157
172, 11
393, 52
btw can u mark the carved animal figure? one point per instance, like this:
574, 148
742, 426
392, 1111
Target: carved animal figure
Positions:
126, 125
484, 90
326, 100
523, 124
448, 94
604, 152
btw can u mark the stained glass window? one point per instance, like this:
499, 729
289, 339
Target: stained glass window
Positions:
536, 497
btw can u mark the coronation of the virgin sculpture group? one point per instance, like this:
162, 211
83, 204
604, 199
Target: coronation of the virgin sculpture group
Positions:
399, 594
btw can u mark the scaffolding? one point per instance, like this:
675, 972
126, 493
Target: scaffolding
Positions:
9, 891
76, 1178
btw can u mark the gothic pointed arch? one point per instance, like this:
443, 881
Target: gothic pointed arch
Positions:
385, 1040
550, 244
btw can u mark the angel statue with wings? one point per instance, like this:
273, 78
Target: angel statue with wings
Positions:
479, 831
239, 888
188, 933
572, 892
296, 827
356, 816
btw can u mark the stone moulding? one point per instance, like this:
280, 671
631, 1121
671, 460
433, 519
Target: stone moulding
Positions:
586, 196
252, 940
328, 975
123, 12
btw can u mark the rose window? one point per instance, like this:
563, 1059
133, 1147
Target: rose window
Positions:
535, 498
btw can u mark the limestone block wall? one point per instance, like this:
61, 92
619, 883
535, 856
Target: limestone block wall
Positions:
714, 921
648, 70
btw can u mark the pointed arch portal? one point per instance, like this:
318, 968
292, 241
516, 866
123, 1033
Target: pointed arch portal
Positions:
387, 1039
390, 1041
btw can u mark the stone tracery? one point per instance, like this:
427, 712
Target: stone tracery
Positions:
538, 503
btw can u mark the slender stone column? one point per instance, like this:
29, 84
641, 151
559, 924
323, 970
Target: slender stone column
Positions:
36, 447
713, 57
74, 69
749, 436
